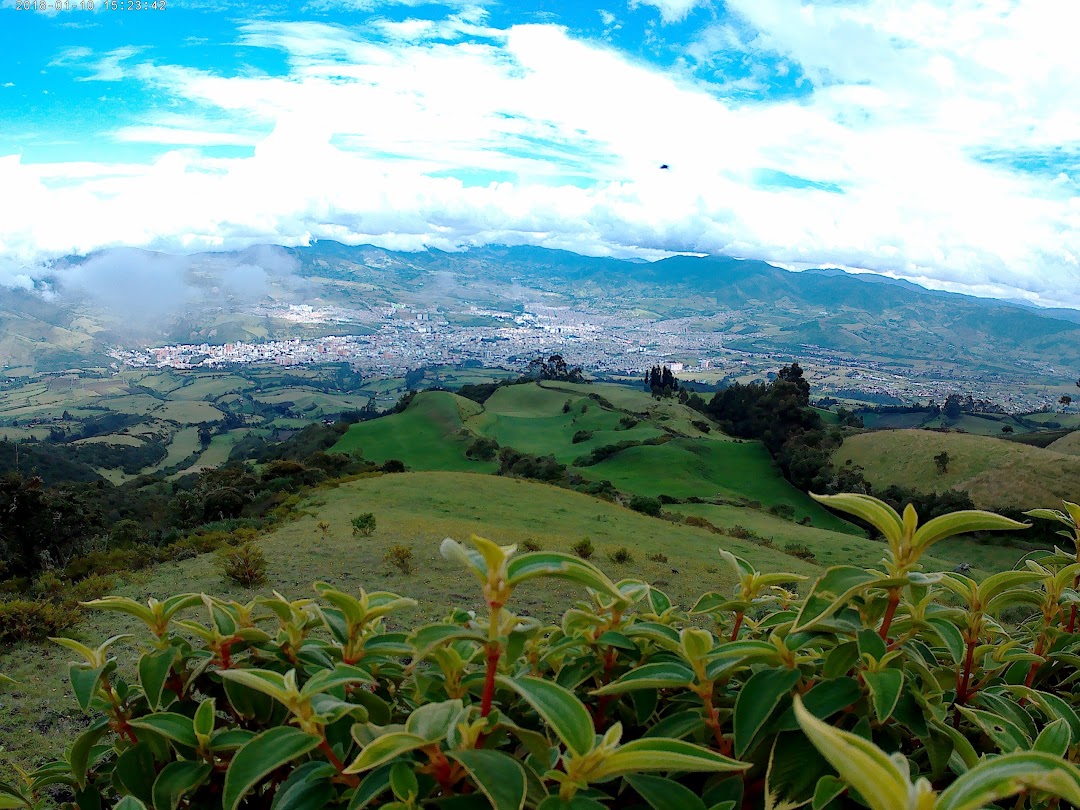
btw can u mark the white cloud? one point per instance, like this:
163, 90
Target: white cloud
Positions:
409, 135
106, 67
671, 10
8, 84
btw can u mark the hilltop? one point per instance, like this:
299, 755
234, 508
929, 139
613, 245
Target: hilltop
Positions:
996, 473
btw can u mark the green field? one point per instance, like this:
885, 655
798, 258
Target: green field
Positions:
996, 473
426, 436
434, 431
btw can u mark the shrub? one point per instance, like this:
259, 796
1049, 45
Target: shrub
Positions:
363, 524
701, 523
621, 556
401, 557
482, 449
323, 527
645, 505
244, 565
657, 557
626, 423
393, 465
801, 551
581, 436
802, 705
93, 587
583, 548
33, 620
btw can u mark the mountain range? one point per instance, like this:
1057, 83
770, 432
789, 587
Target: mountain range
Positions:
757, 307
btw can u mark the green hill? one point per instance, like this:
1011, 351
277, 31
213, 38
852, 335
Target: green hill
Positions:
543, 419
996, 473
428, 435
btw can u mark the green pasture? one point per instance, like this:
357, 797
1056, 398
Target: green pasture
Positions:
426, 436
684, 468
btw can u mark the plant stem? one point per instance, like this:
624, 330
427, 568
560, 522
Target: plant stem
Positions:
1030, 679
965, 680
352, 780
890, 611
493, 653
738, 624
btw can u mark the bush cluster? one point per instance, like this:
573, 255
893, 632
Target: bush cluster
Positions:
891, 688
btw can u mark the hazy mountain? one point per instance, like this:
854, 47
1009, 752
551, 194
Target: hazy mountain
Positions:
755, 305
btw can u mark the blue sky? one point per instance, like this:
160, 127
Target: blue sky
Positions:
936, 141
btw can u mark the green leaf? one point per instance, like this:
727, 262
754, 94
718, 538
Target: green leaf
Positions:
84, 682
433, 721
500, 778
176, 780
264, 753
559, 566
664, 794
135, 770
962, 522
79, 754
870, 643
326, 679
950, 636
832, 591
426, 639
176, 727
403, 781
885, 688
154, 669
660, 754
1055, 738
665, 675
1004, 776
385, 748
828, 788
204, 719
859, 762
129, 803
270, 683
307, 788
374, 785
877, 513
757, 700
559, 708
1007, 736
824, 700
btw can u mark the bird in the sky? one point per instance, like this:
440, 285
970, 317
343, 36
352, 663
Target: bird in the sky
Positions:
664, 166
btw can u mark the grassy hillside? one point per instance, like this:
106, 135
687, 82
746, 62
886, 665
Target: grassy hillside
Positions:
994, 472
542, 419
426, 436
413, 509
1068, 444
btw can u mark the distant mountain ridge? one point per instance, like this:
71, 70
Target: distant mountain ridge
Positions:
754, 305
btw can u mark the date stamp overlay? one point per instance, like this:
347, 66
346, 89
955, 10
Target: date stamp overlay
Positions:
90, 5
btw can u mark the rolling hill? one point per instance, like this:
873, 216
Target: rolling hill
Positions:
994, 472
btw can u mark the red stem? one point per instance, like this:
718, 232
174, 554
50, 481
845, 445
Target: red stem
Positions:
1030, 679
352, 780
965, 680
494, 651
738, 625
890, 611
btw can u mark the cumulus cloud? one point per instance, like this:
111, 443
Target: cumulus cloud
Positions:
899, 155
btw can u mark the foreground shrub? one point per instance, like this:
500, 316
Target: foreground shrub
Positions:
872, 690
621, 556
244, 565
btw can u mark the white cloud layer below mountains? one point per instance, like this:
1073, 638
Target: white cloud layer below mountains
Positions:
449, 132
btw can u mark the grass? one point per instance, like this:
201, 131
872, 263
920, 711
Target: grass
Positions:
426, 436
995, 473
707, 469
416, 510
